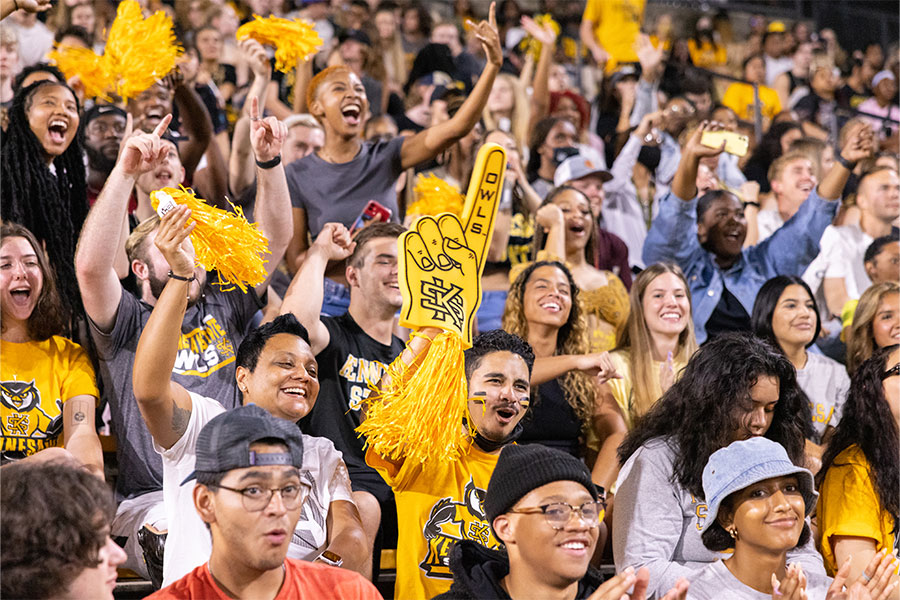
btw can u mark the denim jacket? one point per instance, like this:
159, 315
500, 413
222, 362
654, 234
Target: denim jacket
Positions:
788, 251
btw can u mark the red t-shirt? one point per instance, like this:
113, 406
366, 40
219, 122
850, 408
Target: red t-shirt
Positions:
302, 580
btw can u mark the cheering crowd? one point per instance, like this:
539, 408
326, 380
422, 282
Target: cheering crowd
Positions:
684, 381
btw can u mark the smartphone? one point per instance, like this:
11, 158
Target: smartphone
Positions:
735, 143
374, 211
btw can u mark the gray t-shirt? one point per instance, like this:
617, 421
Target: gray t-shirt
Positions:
656, 523
715, 581
211, 332
338, 193
826, 384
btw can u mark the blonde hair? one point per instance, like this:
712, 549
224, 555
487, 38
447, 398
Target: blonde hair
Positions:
860, 339
635, 337
135, 245
572, 338
781, 163
521, 110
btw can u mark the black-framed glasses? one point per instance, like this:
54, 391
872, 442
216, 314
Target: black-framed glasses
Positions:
256, 498
895, 370
559, 513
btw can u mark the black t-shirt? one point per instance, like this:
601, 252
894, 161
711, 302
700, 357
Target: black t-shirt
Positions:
351, 360
553, 421
729, 315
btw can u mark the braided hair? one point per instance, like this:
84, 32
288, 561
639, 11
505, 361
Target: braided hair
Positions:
52, 207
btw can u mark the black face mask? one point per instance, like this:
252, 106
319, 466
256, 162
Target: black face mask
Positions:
561, 154
650, 156
491, 446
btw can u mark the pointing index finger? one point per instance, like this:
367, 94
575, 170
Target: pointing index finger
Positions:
492, 15
254, 108
161, 128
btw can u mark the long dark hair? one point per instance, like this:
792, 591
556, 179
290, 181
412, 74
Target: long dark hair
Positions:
700, 412
52, 206
769, 147
867, 423
767, 300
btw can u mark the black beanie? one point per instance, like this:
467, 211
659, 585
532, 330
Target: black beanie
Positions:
521, 469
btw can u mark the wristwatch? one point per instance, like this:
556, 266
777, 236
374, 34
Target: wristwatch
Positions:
330, 558
847, 164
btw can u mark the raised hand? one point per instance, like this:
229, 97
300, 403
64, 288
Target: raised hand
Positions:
616, 588
256, 57
33, 6
860, 143
599, 366
694, 148
549, 215
334, 242
441, 259
487, 34
266, 135
648, 122
666, 374
544, 34
172, 240
142, 152
649, 56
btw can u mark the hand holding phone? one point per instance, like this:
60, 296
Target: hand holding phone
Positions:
735, 143
374, 211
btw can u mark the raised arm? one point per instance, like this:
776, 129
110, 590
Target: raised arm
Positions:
165, 405
651, 58
684, 184
95, 261
273, 201
427, 144
305, 295
8, 7
540, 97
195, 120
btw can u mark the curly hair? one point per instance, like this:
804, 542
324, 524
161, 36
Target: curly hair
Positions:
702, 410
572, 337
860, 338
54, 521
867, 423
497, 340
52, 206
49, 316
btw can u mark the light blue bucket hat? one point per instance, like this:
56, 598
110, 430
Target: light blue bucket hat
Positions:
743, 463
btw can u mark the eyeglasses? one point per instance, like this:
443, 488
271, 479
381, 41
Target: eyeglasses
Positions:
893, 371
559, 513
257, 498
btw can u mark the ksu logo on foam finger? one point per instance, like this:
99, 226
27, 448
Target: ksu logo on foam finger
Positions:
451, 521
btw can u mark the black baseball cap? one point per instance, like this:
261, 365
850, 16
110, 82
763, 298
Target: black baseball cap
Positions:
224, 443
100, 110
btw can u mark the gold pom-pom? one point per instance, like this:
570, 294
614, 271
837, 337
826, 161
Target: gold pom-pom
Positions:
90, 68
419, 416
224, 242
435, 196
140, 51
530, 45
294, 40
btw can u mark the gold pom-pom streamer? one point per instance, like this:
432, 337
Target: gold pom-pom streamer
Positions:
408, 419
87, 65
138, 53
530, 45
224, 242
293, 40
435, 196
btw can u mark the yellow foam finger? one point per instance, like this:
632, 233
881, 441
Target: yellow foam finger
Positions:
483, 198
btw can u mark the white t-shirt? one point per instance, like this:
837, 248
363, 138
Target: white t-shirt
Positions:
826, 384
715, 581
189, 545
768, 222
841, 257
